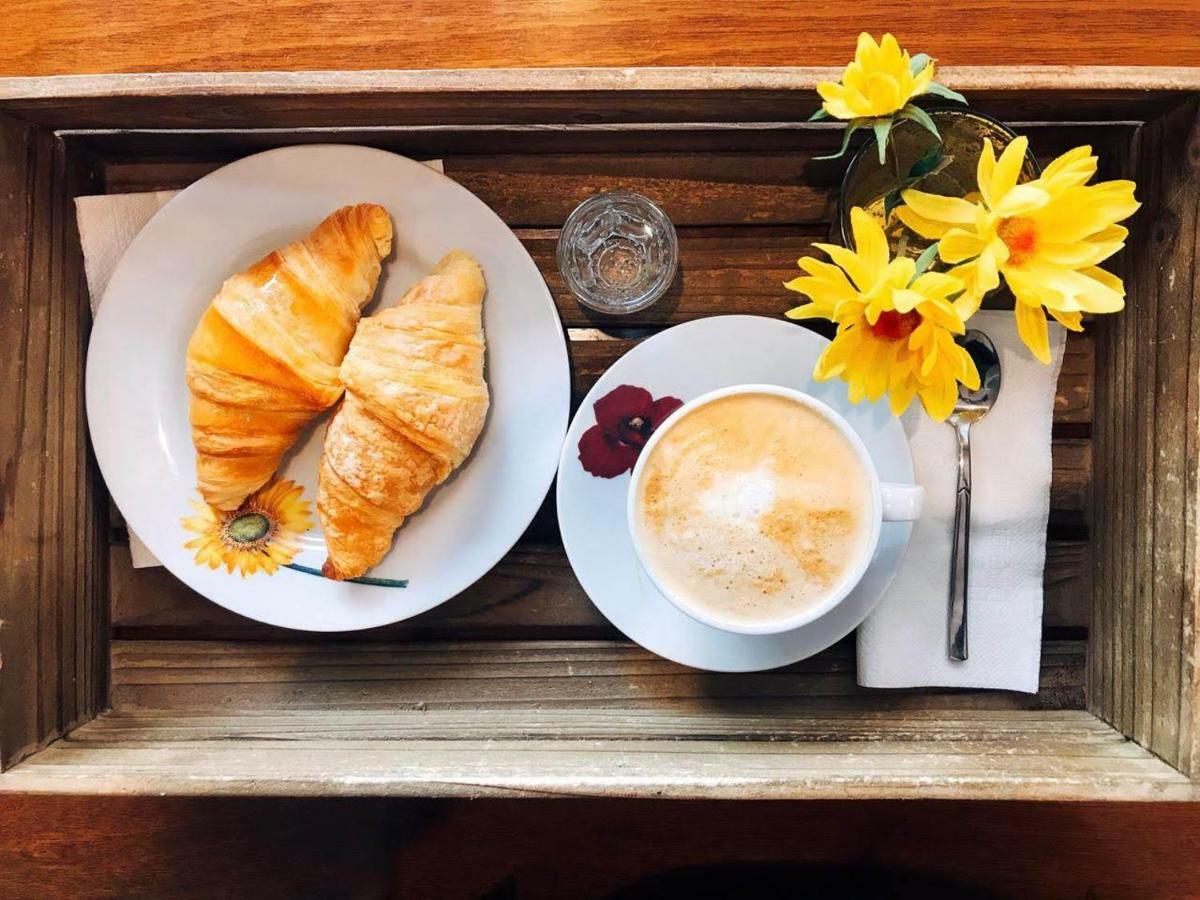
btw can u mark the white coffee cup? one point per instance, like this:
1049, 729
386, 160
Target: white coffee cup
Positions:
889, 503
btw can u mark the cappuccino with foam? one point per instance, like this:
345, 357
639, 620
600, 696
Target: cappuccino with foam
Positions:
752, 508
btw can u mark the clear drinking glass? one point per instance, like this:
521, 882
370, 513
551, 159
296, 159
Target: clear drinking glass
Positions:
618, 252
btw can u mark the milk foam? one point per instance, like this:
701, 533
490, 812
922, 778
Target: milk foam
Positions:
753, 507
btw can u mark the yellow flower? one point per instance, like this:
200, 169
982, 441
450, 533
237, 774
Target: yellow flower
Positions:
895, 332
1046, 237
262, 534
879, 81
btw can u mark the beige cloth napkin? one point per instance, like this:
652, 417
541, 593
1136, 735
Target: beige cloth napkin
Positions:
107, 226
903, 642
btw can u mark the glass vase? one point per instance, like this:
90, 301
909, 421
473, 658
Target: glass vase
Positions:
952, 171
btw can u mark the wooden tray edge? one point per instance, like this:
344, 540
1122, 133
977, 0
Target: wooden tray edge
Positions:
996, 78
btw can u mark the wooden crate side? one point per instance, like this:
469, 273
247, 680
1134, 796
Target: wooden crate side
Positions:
539, 753
551, 96
53, 583
1147, 453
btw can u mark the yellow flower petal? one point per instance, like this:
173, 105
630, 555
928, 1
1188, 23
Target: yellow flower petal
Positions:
901, 395
938, 398
984, 169
1077, 255
938, 285
922, 80
808, 311
1074, 167
958, 245
835, 101
890, 56
1106, 278
899, 272
870, 243
967, 373
1005, 173
883, 92
929, 229
987, 272
862, 276
906, 300
1031, 326
1021, 200
952, 210
866, 53
1081, 211
1071, 320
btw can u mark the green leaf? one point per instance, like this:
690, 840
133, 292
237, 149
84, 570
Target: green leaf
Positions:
927, 163
818, 115
850, 129
925, 260
918, 115
918, 63
882, 129
940, 90
890, 202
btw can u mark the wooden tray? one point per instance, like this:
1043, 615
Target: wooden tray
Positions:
116, 680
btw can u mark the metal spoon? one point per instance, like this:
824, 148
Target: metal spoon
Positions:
970, 408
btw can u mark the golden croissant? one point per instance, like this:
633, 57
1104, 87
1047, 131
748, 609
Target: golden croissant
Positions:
415, 403
264, 359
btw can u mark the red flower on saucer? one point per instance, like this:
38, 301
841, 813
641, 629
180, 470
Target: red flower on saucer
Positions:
625, 418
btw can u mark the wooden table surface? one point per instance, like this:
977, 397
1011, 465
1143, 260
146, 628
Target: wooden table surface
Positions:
53, 37
123, 846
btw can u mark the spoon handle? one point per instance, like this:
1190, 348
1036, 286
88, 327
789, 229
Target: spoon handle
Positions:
960, 547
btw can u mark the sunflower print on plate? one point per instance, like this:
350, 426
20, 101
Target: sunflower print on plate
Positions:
260, 535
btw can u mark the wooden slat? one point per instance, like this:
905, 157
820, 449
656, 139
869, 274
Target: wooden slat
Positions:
1029, 755
532, 593
722, 177
945, 729
1072, 476
53, 578
1147, 454
130, 151
202, 676
560, 96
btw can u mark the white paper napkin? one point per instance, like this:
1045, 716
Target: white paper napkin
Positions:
107, 226
903, 643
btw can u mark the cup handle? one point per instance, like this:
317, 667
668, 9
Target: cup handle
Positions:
902, 502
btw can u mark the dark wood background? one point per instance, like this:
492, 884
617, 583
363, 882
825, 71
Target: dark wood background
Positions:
216, 847
117, 846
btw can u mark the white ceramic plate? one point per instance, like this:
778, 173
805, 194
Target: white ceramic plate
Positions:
685, 362
137, 401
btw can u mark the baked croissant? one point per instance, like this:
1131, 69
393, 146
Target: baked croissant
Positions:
263, 361
415, 403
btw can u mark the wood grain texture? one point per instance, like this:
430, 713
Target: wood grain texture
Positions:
1143, 676
236, 848
531, 593
525, 714
205, 678
555, 97
753, 202
53, 581
57, 37
943, 758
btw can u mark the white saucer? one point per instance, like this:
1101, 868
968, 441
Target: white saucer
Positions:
685, 362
